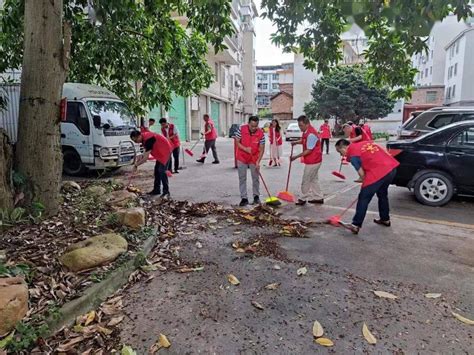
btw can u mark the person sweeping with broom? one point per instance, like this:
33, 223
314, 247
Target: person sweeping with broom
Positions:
312, 158
250, 141
276, 141
160, 148
377, 169
210, 136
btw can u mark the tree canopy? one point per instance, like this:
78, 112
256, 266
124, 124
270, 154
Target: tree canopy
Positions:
118, 43
345, 94
396, 30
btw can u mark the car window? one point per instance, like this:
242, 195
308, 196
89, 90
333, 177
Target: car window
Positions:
442, 120
467, 117
464, 139
293, 126
77, 115
420, 121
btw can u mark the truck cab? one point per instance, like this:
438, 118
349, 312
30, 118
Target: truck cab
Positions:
95, 132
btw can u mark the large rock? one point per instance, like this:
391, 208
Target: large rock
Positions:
132, 217
13, 302
70, 186
93, 252
96, 191
121, 198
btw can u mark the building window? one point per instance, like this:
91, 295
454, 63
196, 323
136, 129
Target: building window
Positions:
431, 96
431, 70
432, 54
457, 47
275, 86
455, 69
453, 93
422, 74
448, 93
259, 86
426, 72
216, 71
265, 86
264, 76
275, 77
223, 77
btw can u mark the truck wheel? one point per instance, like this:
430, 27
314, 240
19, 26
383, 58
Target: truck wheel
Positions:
72, 163
434, 188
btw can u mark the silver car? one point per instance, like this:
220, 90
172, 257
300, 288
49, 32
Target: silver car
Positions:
293, 132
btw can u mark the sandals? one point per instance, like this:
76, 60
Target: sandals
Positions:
382, 223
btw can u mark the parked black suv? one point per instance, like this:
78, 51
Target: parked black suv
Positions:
437, 165
433, 119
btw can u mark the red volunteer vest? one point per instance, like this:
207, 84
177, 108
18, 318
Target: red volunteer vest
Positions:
325, 131
144, 129
376, 161
249, 140
175, 143
365, 136
368, 131
161, 149
272, 134
213, 134
316, 156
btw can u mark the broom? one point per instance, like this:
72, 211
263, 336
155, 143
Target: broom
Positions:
271, 200
190, 151
336, 219
286, 195
338, 173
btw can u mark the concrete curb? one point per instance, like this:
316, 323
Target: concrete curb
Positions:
93, 296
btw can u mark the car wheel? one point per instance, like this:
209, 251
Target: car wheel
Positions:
434, 189
72, 163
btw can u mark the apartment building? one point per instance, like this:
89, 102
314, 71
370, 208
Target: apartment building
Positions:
267, 84
231, 97
459, 69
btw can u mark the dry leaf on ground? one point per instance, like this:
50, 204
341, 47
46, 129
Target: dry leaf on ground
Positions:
249, 218
384, 294
302, 271
162, 342
90, 318
114, 321
233, 280
318, 330
68, 346
433, 295
324, 342
257, 305
463, 319
272, 286
368, 335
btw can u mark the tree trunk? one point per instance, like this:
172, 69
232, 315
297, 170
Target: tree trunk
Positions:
38, 155
6, 162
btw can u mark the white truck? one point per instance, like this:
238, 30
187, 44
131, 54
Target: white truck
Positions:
95, 132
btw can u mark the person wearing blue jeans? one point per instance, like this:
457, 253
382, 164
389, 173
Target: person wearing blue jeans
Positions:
376, 169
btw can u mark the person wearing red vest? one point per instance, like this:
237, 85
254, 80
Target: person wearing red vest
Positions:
276, 141
355, 133
312, 158
151, 122
367, 130
325, 134
250, 141
160, 148
171, 132
377, 169
210, 136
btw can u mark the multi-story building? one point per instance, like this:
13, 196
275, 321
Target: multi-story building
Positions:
267, 84
231, 97
459, 69
281, 103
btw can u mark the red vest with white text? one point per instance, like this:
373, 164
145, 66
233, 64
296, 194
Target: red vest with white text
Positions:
316, 156
249, 140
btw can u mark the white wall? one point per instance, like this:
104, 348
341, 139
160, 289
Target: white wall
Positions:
302, 86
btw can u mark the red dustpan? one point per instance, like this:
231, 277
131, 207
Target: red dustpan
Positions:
286, 195
169, 173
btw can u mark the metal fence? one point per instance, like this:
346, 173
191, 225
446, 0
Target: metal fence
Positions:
9, 116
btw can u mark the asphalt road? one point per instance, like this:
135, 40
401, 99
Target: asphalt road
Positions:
426, 249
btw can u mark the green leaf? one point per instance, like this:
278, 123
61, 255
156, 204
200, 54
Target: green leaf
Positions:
127, 350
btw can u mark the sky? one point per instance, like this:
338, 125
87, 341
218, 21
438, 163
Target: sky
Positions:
265, 52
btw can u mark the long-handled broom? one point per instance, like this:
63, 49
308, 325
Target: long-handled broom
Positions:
336, 219
271, 200
338, 173
286, 195
190, 151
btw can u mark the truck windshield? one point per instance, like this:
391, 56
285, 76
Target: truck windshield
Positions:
115, 113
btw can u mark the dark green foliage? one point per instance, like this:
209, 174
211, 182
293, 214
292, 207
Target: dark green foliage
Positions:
345, 93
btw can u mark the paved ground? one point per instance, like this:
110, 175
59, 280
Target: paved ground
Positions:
426, 250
